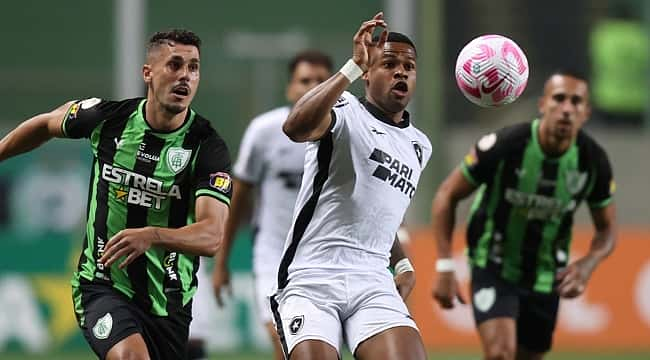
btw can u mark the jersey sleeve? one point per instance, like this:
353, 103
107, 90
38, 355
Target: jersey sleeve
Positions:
84, 116
604, 185
480, 163
250, 160
213, 170
341, 112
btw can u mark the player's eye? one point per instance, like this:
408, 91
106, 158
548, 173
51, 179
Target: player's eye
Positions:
305, 81
174, 65
194, 67
389, 64
575, 100
559, 97
409, 66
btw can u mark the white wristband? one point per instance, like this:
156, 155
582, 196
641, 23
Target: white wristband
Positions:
351, 70
445, 265
402, 266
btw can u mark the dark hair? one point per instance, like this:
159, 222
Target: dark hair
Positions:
185, 37
313, 57
397, 37
574, 73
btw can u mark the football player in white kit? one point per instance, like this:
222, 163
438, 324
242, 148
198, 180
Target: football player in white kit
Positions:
363, 161
268, 172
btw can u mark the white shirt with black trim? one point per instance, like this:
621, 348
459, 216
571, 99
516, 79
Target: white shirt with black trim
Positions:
358, 182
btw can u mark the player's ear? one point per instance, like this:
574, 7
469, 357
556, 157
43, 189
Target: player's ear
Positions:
146, 73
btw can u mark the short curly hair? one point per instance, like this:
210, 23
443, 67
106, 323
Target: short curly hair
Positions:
183, 36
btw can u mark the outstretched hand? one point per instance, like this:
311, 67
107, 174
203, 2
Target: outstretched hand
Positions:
364, 50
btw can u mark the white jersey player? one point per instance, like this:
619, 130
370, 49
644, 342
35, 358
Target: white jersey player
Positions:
269, 169
363, 162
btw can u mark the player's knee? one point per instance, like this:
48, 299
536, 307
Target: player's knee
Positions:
500, 351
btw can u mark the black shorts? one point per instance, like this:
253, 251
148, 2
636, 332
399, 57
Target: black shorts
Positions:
535, 313
109, 317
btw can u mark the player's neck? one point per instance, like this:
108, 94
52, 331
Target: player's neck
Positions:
552, 145
161, 119
394, 117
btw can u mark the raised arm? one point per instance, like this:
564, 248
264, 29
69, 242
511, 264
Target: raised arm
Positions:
310, 118
33, 132
453, 190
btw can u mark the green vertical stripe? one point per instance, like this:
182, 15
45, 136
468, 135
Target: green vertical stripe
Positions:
482, 248
117, 211
78, 306
89, 266
545, 256
518, 218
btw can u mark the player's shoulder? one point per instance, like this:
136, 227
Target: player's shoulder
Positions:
272, 119
345, 100
203, 128
588, 146
104, 107
507, 137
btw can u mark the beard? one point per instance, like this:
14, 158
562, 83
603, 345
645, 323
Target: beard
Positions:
173, 108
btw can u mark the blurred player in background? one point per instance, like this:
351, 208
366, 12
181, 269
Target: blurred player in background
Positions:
269, 171
362, 164
158, 199
532, 178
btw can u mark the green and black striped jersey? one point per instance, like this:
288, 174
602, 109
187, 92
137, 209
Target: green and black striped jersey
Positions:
143, 177
521, 218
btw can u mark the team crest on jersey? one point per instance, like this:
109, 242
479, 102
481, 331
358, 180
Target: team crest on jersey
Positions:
575, 181
221, 181
418, 150
103, 327
296, 324
178, 158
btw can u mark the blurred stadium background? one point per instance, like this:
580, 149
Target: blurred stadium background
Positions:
59, 50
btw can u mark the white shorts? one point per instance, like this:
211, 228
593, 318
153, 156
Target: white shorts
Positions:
203, 304
332, 307
265, 283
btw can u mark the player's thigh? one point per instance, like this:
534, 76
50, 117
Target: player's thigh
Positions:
495, 306
299, 319
400, 342
536, 323
105, 317
132, 347
314, 350
167, 337
375, 307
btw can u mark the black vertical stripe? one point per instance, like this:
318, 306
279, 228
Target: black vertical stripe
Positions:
509, 179
324, 157
178, 212
535, 228
105, 155
136, 217
279, 327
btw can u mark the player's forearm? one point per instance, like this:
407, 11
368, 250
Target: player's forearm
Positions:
203, 238
396, 252
238, 210
444, 219
602, 245
311, 113
27, 136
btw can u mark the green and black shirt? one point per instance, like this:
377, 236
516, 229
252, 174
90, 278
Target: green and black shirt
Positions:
521, 219
143, 177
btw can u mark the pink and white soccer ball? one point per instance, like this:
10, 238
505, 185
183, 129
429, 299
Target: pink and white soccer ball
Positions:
491, 71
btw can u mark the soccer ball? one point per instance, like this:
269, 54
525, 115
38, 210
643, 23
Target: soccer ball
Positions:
491, 71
